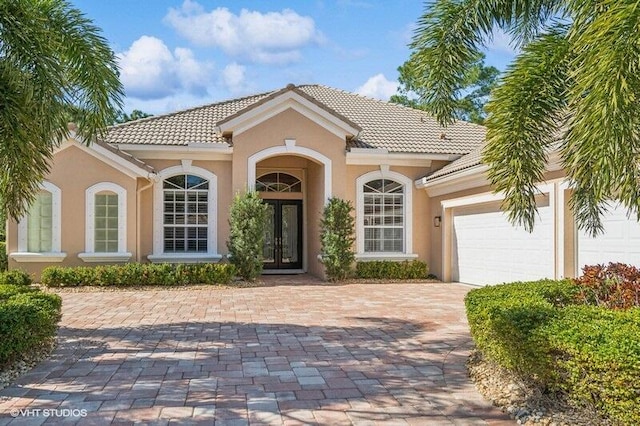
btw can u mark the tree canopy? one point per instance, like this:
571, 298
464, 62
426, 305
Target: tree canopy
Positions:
573, 88
478, 82
52, 59
136, 114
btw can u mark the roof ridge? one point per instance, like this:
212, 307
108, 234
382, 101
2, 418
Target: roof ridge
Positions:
187, 110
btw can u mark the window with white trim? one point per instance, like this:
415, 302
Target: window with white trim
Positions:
185, 214
106, 222
383, 219
384, 215
40, 230
40, 224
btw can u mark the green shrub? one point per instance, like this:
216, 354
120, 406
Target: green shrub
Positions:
337, 235
15, 277
247, 227
390, 270
4, 259
539, 331
27, 319
137, 274
598, 361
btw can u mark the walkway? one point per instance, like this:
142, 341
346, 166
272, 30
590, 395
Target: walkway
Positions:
311, 354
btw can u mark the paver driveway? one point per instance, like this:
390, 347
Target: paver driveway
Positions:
306, 354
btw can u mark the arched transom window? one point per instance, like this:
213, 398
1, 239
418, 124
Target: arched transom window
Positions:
384, 216
185, 214
278, 182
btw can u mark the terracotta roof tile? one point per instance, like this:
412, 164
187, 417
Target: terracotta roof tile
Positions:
384, 125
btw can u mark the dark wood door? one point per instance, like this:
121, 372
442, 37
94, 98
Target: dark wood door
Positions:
283, 239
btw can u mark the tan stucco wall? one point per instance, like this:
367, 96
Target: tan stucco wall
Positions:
73, 172
288, 124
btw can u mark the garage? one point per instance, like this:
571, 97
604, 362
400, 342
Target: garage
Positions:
620, 241
486, 249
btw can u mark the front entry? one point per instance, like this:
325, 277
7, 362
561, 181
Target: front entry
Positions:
283, 239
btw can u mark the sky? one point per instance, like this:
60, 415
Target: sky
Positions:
176, 54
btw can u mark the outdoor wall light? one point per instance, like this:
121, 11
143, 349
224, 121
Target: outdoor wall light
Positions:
436, 221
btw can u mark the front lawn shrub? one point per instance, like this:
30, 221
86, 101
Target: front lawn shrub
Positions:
615, 286
390, 270
137, 274
15, 277
28, 318
541, 332
247, 228
337, 235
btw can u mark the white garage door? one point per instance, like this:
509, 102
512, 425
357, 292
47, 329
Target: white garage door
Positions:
620, 241
487, 249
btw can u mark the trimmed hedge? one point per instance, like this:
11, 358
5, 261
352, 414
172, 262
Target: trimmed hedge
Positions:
387, 269
15, 277
138, 274
28, 318
540, 331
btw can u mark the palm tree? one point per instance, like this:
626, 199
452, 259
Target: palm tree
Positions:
52, 60
575, 88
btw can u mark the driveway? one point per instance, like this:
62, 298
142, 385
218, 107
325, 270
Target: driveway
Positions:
283, 354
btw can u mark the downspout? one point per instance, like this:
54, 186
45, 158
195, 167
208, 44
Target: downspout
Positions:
150, 178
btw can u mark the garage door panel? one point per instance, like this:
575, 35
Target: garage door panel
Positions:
620, 241
487, 249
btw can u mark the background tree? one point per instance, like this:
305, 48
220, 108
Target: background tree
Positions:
478, 82
574, 87
136, 114
52, 58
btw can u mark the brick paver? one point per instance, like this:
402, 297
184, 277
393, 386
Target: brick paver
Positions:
283, 354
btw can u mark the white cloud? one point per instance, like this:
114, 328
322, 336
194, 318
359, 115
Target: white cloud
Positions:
378, 87
234, 78
272, 37
149, 70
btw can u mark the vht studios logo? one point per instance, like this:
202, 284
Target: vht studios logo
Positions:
48, 412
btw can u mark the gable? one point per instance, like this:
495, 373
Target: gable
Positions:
289, 99
109, 156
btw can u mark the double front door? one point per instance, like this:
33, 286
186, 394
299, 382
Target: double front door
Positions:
283, 239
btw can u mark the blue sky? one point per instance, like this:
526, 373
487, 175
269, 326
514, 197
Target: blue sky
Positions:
175, 54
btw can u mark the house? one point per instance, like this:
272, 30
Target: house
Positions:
159, 190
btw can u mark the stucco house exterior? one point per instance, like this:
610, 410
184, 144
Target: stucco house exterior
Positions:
159, 190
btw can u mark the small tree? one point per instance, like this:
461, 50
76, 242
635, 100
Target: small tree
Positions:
337, 236
247, 222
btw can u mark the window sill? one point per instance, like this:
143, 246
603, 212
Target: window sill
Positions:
104, 257
27, 257
396, 257
184, 258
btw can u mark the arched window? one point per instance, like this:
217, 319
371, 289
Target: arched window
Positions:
278, 182
185, 214
40, 224
384, 216
39, 231
105, 223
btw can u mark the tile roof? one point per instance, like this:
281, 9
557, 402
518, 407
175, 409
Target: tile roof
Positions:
384, 125
474, 158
